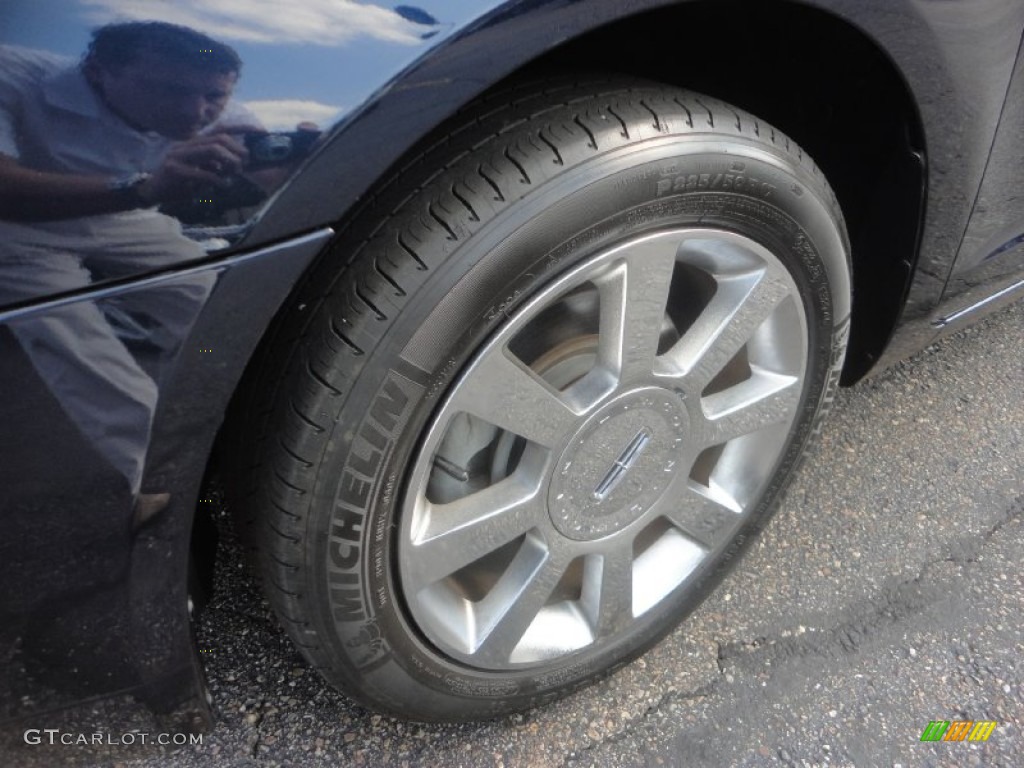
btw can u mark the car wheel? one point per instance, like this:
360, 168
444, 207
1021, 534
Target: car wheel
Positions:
543, 390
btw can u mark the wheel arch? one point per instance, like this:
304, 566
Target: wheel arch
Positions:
777, 59
883, 201
881, 189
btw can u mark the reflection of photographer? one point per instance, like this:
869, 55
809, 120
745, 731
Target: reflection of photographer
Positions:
140, 122
87, 154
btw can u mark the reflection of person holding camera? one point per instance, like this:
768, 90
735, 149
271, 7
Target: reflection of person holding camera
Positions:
87, 153
133, 126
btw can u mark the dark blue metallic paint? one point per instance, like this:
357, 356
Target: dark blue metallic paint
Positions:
992, 253
94, 599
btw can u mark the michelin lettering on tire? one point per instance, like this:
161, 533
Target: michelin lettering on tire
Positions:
360, 480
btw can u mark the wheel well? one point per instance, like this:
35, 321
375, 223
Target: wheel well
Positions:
825, 84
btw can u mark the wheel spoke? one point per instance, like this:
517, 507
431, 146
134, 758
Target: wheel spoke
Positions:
706, 515
607, 595
633, 300
506, 393
451, 536
515, 601
740, 305
760, 401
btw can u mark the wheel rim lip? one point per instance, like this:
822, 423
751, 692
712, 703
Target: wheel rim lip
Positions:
591, 268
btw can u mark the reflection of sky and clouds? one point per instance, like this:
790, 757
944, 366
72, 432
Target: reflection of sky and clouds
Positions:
285, 114
289, 51
311, 22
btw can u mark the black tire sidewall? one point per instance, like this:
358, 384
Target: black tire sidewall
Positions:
358, 606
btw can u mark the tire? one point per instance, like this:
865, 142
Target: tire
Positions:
542, 392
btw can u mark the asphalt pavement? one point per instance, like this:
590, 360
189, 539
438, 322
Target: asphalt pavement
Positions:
886, 593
